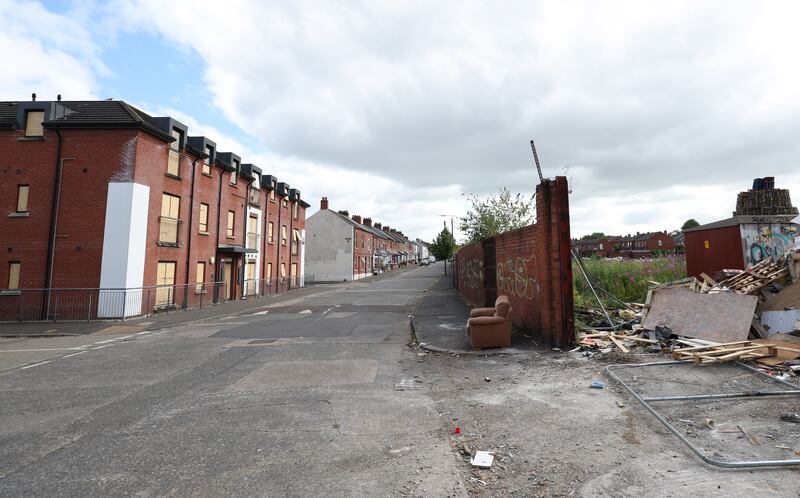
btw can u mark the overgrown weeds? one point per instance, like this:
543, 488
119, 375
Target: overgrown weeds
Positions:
626, 279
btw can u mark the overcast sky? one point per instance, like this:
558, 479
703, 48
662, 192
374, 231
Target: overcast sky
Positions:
656, 112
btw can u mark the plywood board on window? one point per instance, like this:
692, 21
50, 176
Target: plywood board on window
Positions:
722, 317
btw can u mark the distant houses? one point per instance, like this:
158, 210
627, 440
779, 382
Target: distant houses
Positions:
638, 246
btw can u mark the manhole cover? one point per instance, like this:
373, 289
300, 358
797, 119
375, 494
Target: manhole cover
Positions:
262, 341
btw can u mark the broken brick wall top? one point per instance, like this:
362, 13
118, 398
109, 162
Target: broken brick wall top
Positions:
531, 265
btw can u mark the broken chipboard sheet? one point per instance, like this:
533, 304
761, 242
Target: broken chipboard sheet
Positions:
719, 317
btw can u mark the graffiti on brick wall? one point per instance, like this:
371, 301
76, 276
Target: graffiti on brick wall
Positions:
471, 273
517, 277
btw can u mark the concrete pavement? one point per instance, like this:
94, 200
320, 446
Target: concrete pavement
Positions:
440, 319
313, 395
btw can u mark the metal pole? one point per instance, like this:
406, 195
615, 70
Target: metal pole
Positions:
589, 282
536, 158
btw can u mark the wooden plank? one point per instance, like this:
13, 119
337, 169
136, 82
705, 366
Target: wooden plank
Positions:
710, 281
722, 317
636, 338
618, 343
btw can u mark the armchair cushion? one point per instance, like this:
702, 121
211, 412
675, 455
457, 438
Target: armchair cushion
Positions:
486, 320
481, 312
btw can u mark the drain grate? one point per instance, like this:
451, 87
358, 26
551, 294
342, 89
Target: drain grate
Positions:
262, 341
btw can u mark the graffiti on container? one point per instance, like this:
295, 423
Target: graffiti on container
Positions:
767, 241
515, 278
472, 273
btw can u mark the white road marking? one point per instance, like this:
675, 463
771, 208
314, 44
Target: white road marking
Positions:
106, 341
74, 354
142, 333
35, 365
101, 347
43, 349
125, 337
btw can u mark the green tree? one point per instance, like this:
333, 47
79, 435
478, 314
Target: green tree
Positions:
690, 223
496, 214
443, 246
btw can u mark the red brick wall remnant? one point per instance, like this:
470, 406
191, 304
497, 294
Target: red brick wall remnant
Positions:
531, 265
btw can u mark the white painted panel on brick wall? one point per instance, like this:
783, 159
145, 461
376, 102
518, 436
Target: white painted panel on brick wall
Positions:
124, 243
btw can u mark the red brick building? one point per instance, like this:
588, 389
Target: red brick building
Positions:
99, 194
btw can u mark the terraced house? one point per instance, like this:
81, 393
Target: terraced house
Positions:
111, 213
340, 247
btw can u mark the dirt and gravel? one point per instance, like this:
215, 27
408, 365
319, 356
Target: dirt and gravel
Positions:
553, 435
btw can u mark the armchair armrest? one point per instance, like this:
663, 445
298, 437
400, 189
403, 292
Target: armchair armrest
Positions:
481, 312
486, 320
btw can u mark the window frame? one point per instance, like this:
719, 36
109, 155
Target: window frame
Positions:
202, 225
230, 227
38, 127
200, 277
18, 274
168, 216
27, 189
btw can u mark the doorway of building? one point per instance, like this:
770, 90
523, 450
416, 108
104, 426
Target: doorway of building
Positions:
250, 278
227, 277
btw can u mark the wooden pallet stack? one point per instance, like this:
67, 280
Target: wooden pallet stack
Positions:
720, 353
760, 275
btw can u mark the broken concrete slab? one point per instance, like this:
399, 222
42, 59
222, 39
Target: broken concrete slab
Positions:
721, 317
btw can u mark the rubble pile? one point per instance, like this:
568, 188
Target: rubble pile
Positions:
751, 315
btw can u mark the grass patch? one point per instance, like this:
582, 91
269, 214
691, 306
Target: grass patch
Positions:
627, 279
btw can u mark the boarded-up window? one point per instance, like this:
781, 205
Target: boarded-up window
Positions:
33, 123
178, 136
295, 210
22, 198
165, 280
283, 269
200, 276
168, 222
283, 235
203, 217
207, 161
231, 223
269, 271
271, 232
14, 270
173, 164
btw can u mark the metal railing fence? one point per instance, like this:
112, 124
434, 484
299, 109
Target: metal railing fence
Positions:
86, 304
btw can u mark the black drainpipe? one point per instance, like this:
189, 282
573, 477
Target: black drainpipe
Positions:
217, 261
189, 235
51, 240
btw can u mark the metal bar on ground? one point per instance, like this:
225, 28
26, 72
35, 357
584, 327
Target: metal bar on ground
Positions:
711, 461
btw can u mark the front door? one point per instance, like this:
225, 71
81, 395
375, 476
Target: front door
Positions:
250, 278
227, 278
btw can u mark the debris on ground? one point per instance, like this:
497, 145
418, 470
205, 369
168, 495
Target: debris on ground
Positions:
791, 417
597, 384
482, 459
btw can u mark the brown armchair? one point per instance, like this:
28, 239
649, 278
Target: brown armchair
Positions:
490, 327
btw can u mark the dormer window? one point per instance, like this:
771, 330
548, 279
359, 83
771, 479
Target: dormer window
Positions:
235, 172
177, 134
207, 161
33, 124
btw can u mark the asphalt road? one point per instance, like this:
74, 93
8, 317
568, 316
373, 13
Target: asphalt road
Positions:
315, 395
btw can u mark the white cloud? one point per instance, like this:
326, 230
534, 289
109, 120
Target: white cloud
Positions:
47, 54
659, 112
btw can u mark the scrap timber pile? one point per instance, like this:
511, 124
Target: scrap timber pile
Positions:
751, 315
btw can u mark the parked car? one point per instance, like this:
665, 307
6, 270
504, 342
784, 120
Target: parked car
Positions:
424, 262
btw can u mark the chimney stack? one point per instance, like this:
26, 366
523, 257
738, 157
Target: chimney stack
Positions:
357, 218
33, 97
323, 204
378, 225
344, 213
368, 222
